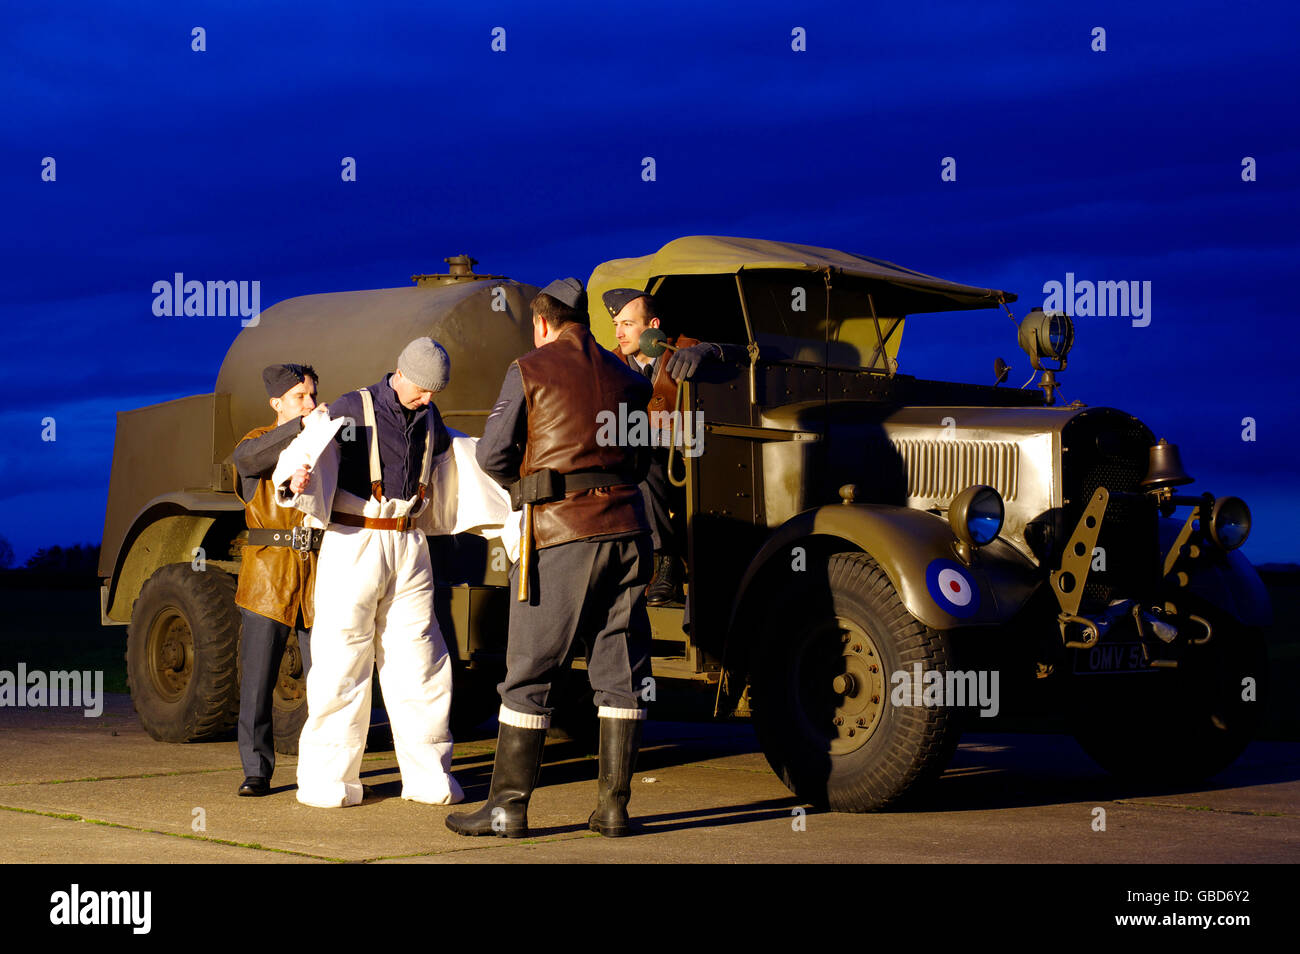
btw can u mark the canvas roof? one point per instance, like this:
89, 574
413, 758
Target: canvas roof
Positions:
726, 255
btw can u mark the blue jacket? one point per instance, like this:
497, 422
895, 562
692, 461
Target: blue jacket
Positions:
401, 442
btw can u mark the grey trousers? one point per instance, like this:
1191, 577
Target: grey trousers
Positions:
669, 529
261, 644
588, 591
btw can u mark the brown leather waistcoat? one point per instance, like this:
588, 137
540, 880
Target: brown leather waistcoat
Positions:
567, 383
665, 388
275, 582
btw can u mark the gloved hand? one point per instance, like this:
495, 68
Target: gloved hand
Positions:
684, 362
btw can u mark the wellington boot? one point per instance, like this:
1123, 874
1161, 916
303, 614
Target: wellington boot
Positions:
514, 775
619, 741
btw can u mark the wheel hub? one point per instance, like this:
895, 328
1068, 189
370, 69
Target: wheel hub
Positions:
171, 654
842, 685
291, 686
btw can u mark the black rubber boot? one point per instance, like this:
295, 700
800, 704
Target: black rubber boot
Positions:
619, 741
666, 584
514, 775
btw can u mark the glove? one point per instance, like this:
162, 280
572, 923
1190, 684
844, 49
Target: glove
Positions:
684, 362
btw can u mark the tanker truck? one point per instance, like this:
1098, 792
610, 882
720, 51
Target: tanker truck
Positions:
876, 561
174, 529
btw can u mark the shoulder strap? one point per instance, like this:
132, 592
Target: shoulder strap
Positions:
428, 452
376, 474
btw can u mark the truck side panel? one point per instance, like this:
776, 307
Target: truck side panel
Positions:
161, 449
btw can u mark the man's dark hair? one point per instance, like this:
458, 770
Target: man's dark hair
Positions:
307, 371
652, 311
556, 312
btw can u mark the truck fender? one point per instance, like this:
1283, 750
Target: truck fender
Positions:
918, 552
165, 530
1227, 581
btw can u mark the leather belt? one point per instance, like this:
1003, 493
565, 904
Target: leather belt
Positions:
593, 480
544, 486
373, 523
304, 539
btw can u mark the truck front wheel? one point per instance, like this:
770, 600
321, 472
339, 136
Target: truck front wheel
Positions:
823, 695
1178, 726
181, 654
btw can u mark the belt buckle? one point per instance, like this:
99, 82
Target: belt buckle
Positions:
301, 539
403, 523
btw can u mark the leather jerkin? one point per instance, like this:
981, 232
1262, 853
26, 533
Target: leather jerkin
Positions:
665, 388
275, 582
567, 384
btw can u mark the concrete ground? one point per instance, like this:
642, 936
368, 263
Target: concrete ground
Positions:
77, 790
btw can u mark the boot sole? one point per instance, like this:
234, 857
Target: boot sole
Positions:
472, 833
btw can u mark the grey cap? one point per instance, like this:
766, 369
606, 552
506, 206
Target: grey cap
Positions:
616, 299
567, 291
425, 364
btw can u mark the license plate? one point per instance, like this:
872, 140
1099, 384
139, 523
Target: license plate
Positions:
1110, 657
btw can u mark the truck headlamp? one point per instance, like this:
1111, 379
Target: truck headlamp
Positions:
1229, 522
1046, 334
976, 515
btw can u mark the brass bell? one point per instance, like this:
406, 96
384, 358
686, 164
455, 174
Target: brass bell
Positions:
1165, 468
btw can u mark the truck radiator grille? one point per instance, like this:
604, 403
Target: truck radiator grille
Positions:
941, 469
1104, 448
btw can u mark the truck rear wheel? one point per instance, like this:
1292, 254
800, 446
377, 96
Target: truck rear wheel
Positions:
474, 697
289, 700
1177, 726
822, 691
181, 654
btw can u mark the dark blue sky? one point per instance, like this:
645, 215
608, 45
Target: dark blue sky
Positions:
1122, 165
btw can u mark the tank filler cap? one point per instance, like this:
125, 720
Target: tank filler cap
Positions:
460, 268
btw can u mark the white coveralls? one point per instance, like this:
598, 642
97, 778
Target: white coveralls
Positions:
374, 605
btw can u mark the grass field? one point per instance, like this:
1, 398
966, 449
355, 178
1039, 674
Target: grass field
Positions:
58, 629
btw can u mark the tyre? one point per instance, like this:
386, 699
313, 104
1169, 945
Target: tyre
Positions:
182, 649
822, 699
474, 697
289, 701
1178, 726
574, 717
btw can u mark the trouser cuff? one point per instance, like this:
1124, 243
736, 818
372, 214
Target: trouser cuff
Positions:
523, 720
331, 795
609, 712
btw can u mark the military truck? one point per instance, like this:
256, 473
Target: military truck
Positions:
875, 560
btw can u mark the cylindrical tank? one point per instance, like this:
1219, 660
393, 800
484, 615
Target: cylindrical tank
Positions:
353, 339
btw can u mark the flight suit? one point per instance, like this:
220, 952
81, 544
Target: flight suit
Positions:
374, 603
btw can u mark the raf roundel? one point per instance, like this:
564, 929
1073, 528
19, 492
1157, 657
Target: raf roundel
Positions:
952, 588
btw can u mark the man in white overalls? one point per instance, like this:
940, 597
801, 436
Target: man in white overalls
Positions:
377, 489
